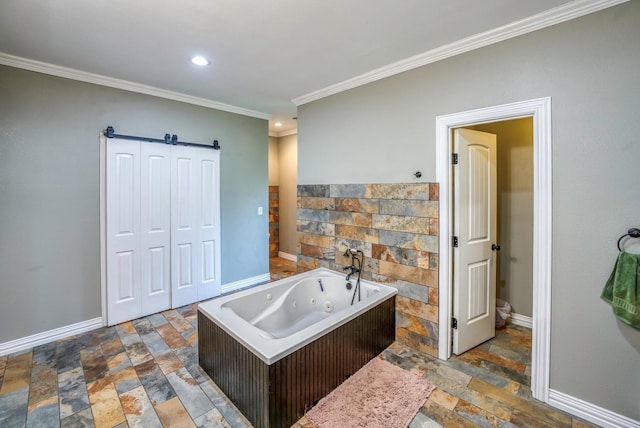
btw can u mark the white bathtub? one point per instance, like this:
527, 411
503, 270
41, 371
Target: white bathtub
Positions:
273, 320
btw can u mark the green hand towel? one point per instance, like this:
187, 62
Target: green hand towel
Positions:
622, 290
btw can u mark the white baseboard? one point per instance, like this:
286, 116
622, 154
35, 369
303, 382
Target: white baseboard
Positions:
590, 412
521, 320
247, 282
49, 336
287, 256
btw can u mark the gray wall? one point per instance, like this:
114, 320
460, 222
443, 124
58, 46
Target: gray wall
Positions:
384, 131
49, 191
515, 211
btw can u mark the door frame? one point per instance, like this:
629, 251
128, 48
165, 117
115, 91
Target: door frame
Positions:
103, 226
540, 110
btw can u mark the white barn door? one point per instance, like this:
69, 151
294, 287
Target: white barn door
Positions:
208, 205
195, 225
162, 227
123, 231
155, 222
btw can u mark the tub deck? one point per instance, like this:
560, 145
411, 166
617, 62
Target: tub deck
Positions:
278, 394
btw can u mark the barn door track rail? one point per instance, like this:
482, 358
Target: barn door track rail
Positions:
168, 139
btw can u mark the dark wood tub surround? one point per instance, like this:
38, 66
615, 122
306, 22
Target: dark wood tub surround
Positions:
277, 395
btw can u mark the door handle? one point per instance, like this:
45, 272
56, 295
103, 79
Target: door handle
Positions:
495, 247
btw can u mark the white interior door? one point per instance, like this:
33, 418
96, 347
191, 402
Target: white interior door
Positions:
475, 223
155, 219
195, 231
123, 231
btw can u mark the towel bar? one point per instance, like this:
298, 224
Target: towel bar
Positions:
633, 232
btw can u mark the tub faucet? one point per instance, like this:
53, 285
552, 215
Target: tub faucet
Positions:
352, 270
353, 252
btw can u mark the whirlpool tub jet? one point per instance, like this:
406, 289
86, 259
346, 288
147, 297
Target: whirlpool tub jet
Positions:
278, 348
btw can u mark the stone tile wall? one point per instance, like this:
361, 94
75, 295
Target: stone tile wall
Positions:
396, 226
274, 221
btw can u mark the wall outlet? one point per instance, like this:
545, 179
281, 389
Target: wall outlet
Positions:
260, 211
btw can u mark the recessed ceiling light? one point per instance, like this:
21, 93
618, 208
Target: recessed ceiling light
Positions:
278, 124
200, 60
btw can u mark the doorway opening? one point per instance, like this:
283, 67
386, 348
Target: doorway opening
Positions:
539, 110
514, 215
283, 200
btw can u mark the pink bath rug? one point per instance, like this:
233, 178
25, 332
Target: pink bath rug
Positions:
379, 395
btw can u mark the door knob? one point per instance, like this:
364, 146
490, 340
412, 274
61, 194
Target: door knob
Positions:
495, 247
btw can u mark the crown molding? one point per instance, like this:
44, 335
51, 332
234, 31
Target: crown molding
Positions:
286, 133
98, 79
536, 22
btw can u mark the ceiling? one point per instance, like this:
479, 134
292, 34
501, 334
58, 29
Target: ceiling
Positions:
263, 53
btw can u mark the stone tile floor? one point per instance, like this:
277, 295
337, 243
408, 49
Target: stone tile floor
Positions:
485, 387
142, 373
145, 373
281, 268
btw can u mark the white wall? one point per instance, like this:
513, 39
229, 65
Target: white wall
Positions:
385, 131
274, 161
288, 178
